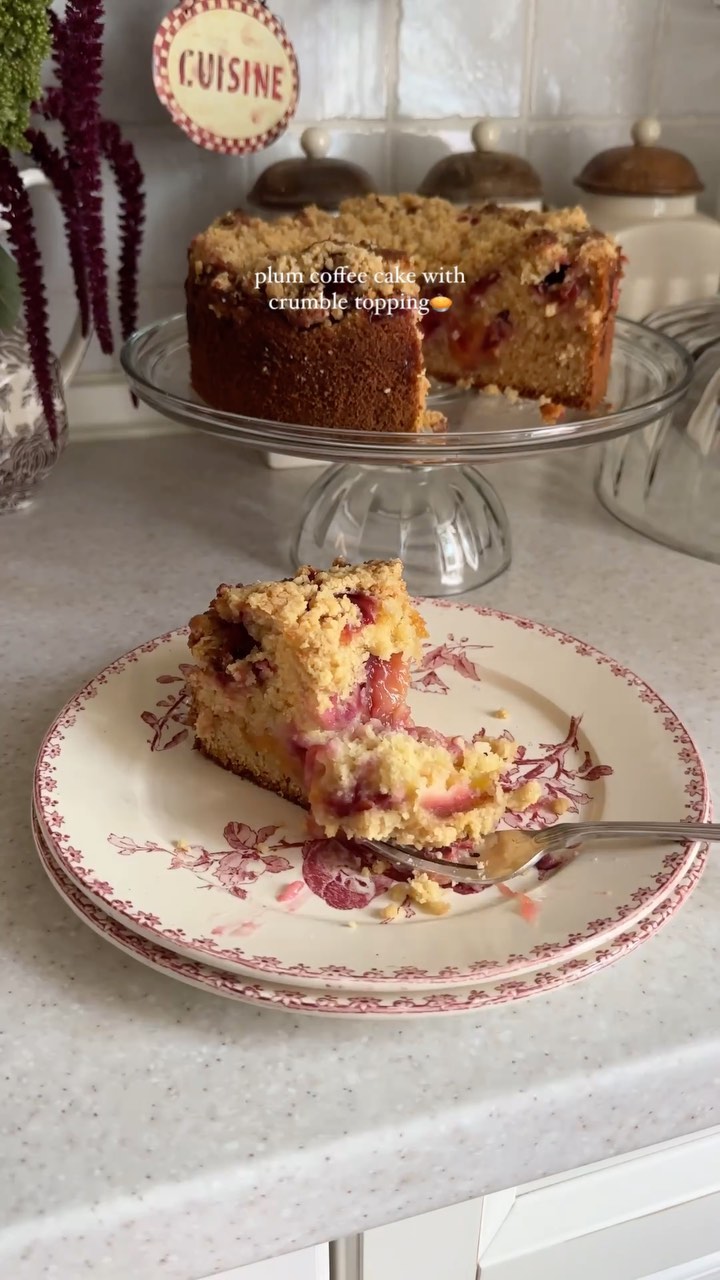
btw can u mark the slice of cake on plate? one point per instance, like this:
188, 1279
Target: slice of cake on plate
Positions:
302, 685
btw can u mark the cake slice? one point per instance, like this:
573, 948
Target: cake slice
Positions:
278, 661
302, 685
327, 336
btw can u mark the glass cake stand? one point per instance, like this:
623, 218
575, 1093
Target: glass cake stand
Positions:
419, 497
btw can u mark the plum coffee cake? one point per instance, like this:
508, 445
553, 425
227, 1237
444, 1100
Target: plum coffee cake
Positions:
313, 318
301, 686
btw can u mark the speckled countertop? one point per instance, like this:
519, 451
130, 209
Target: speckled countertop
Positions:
152, 1131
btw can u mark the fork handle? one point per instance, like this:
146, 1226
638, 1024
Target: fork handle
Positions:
616, 830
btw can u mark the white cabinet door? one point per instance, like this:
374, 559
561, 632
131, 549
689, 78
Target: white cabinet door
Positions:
442, 1245
306, 1264
681, 1243
653, 1215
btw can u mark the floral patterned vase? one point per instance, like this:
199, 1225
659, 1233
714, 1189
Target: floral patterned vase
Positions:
27, 451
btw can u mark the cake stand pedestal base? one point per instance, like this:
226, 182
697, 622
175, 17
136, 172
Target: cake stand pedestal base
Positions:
446, 523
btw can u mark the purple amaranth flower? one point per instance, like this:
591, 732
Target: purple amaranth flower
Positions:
18, 214
75, 171
53, 164
78, 55
121, 157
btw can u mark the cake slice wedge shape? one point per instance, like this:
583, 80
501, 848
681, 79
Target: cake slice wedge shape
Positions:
301, 686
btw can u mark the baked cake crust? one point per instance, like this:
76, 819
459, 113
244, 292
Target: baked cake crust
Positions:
534, 313
311, 353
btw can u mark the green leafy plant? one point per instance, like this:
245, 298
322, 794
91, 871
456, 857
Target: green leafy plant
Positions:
24, 44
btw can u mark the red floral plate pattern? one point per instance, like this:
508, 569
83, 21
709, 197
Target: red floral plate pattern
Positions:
371, 1004
201, 862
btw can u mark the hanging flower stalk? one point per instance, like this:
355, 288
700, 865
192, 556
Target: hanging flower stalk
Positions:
74, 170
18, 214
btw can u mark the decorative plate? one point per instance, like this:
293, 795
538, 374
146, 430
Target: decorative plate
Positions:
375, 1004
217, 869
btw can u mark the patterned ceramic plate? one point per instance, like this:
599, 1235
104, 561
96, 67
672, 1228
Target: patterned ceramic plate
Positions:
216, 869
356, 1004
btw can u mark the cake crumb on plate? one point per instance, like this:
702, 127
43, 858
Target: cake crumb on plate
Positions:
560, 805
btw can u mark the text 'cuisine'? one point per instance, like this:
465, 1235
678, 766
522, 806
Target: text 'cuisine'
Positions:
215, 71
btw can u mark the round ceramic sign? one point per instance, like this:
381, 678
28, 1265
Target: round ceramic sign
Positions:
227, 73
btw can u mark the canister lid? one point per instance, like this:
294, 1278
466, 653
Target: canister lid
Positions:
643, 169
469, 177
314, 178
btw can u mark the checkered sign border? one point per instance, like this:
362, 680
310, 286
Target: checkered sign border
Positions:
162, 44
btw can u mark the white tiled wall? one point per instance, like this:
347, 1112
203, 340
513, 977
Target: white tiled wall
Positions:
402, 81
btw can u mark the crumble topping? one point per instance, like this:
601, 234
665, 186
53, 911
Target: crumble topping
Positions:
426, 893
317, 627
431, 233
529, 793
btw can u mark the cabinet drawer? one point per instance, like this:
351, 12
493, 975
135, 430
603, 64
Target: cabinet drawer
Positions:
306, 1264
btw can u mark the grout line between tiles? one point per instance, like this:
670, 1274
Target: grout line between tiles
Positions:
528, 69
393, 21
656, 58
430, 124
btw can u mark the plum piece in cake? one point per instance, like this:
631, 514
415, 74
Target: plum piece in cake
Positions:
278, 661
302, 685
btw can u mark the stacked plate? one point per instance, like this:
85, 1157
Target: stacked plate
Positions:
209, 879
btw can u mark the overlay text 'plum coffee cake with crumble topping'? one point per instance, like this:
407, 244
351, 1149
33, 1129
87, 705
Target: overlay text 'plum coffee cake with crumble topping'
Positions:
533, 299
301, 686
347, 352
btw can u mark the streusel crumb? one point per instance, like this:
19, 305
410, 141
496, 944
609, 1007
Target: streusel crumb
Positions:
428, 895
560, 805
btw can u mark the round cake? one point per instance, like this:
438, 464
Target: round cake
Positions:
334, 320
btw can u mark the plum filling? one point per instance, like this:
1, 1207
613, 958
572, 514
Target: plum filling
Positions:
341, 714
359, 798
472, 343
367, 607
360, 795
237, 643
477, 290
497, 331
433, 738
430, 320
562, 286
387, 686
380, 696
458, 799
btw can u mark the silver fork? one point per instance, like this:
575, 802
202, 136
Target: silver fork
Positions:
507, 854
